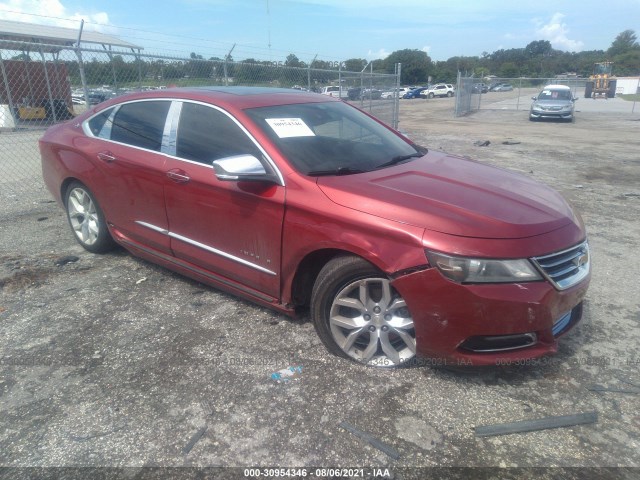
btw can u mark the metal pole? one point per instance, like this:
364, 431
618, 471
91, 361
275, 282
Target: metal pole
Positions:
456, 108
397, 96
519, 93
479, 96
309, 73
633, 107
6, 86
83, 78
226, 59
46, 78
362, 86
139, 58
370, 87
340, 79
113, 67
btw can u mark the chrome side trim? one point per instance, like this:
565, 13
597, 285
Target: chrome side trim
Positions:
220, 252
205, 247
153, 227
199, 271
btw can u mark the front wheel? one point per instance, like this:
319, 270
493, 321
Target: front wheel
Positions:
431, 95
86, 219
359, 315
449, 94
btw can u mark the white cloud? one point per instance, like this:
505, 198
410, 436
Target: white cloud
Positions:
380, 54
556, 31
426, 49
51, 12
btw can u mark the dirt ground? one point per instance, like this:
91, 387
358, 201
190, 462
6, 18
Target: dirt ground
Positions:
109, 361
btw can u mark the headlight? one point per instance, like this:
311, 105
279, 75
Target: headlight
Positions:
480, 270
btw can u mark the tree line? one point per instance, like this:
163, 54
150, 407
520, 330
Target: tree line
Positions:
538, 59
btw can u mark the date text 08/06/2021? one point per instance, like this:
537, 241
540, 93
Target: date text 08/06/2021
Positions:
317, 472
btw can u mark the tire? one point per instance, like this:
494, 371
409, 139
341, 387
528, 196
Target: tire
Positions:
588, 90
431, 95
86, 219
611, 93
359, 315
449, 94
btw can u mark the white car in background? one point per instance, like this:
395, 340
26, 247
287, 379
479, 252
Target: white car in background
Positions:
439, 90
335, 91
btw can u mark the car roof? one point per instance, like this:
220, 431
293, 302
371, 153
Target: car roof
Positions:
556, 87
232, 97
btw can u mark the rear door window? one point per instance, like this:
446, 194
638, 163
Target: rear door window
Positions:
141, 124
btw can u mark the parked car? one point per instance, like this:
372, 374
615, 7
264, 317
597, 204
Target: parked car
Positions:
480, 88
297, 200
335, 91
415, 93
503, 87
554, 101
370, 93
404, 90
439, 90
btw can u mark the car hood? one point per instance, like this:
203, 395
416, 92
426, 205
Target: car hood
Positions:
552, 103
453, 195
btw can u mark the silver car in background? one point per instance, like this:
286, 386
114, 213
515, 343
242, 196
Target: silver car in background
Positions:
554, 101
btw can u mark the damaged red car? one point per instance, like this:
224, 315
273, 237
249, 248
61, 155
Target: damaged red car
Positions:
301, 201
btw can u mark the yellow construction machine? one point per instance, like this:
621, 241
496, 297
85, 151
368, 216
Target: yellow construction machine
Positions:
602, 82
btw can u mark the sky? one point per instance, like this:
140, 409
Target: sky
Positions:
335, 30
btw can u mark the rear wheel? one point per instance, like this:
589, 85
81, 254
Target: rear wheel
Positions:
359, 315
86, 219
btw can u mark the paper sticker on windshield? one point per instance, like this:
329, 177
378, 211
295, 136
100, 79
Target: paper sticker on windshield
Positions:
290, 127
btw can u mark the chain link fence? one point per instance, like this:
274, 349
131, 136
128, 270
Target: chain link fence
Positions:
41, 85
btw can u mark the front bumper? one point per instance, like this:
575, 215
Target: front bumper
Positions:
564, 114
491, 324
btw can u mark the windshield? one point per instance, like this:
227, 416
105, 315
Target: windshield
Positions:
555, 95
331, 138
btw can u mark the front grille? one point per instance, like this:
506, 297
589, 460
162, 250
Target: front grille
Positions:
566, 268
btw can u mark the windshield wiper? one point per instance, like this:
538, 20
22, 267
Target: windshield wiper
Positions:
335, 171
399, 159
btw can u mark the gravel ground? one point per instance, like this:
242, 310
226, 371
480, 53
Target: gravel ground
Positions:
109, 361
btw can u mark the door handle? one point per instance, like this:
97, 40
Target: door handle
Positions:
107, 157
178, 176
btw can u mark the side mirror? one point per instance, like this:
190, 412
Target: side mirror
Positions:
239, 168
575, 98
534, 98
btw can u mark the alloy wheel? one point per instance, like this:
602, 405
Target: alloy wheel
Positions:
371, 323
83, 216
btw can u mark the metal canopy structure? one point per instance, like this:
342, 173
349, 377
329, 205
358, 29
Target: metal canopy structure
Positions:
46, 39
11, 32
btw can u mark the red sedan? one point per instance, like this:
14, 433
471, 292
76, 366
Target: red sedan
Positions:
296, 200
